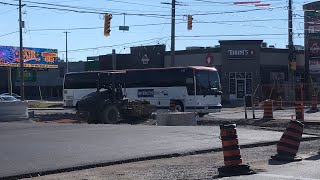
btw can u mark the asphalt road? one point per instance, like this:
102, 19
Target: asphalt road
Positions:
35, 147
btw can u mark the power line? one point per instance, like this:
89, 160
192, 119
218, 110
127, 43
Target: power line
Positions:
94, 48
126, 2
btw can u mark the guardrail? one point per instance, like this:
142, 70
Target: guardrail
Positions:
13, 110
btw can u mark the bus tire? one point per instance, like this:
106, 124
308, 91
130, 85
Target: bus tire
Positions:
201, 114
179, 106
110, 115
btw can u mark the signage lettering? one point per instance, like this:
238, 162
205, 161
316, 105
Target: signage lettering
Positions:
240, 54
145, 93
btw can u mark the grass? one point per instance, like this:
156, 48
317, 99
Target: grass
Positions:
39, 104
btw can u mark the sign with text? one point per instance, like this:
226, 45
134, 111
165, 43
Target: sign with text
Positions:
29, 75
153, 92
240, 54
312, 38
33, 57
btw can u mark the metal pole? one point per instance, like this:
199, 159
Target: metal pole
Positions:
67, 51
9, 81
114, 59
173, 14
21, 53
290, 45
290, 41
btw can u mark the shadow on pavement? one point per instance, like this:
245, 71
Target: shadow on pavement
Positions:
275, 162
314, 158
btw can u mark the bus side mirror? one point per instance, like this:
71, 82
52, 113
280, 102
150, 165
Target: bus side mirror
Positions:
216, 91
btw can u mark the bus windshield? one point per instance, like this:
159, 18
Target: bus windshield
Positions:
207, 83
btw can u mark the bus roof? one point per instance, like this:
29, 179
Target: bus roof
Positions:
192, 67
125, 70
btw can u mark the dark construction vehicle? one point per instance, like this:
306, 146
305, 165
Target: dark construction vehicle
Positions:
108, 104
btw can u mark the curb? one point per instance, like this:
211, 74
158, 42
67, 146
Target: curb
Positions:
83, 167
32, 109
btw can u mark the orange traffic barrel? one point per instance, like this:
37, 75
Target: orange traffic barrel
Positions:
289, 143
231, 152
299, 110
172, 107
314, 103
279, 104
267, 109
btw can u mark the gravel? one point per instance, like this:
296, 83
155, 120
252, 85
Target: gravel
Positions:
192, 167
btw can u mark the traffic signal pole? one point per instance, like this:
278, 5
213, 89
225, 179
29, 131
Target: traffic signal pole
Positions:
291, 53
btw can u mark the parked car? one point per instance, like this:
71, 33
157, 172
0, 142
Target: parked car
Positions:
13, 94
8, 98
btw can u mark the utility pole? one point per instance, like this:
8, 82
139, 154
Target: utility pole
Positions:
173, 18
21, 53
291, 53
67, 50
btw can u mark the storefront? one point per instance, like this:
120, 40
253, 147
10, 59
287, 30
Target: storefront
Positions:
246, 67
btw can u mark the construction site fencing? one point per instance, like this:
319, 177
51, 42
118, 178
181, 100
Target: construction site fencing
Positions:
285, 94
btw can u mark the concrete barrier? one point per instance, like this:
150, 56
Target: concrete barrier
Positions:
176, 119
13, 110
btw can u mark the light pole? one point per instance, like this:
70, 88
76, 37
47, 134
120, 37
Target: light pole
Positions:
67, 65
21, 53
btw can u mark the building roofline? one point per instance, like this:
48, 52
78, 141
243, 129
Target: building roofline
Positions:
312, 6
242, 42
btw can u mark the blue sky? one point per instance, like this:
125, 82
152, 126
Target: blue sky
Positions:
149, 23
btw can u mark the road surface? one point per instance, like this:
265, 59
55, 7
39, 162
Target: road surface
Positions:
37, 147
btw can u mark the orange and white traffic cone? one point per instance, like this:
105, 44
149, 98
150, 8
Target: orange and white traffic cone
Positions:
279, 104
289, 143
231, 152
314, 103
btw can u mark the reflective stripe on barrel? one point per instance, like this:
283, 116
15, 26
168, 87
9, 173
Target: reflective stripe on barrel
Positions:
268, 111
299, 111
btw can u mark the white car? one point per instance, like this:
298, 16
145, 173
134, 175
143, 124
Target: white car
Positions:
13, 94
8, 98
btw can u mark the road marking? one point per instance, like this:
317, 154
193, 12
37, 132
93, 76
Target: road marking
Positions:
285, 177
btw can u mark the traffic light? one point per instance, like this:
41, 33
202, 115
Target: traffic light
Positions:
107, 21
293, 66
190, 22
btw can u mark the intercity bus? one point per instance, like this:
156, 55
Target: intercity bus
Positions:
195, 88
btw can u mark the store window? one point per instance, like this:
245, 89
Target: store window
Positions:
245, 88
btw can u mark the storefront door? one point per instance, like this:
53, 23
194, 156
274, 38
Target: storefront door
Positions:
240, 88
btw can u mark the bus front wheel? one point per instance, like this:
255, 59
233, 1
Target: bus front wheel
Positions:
179, 106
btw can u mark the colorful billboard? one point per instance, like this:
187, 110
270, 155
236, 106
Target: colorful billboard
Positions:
33, 57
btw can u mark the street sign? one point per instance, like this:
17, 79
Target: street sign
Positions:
124, 28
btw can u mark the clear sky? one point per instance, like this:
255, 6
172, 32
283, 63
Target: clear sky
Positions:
149, 21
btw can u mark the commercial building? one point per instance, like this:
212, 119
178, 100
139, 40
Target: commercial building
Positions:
246, 68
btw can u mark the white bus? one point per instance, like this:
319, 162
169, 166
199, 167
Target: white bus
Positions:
195, 88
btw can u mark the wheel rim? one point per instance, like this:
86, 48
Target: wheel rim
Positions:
179, 108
